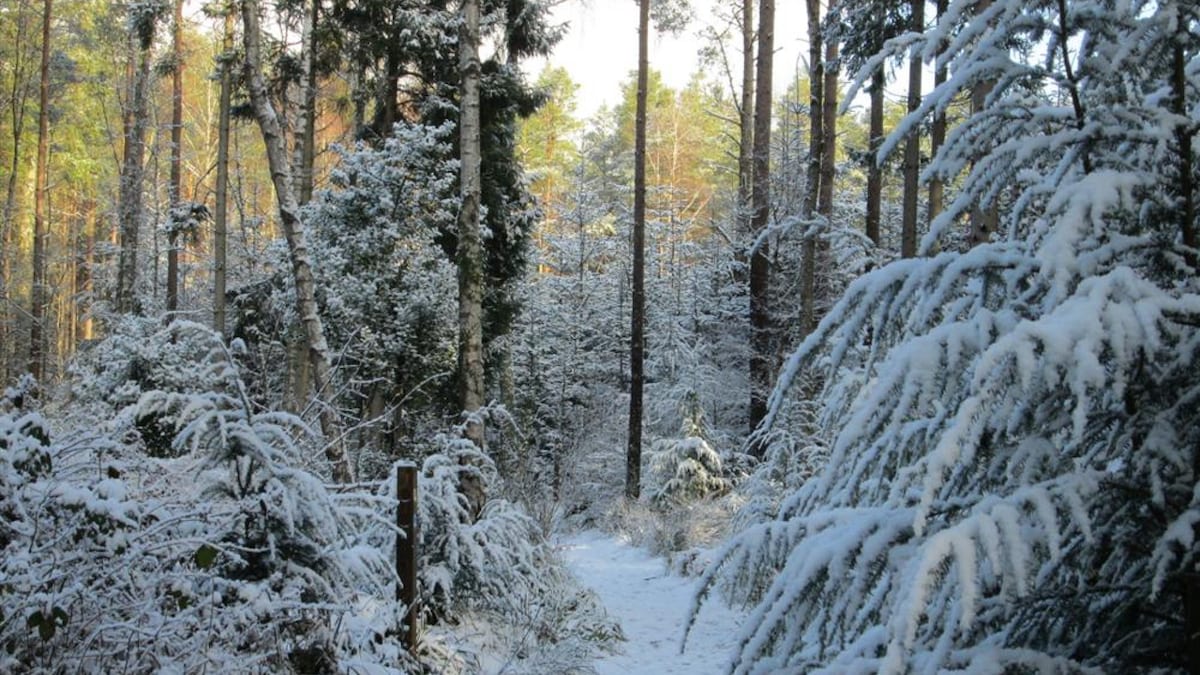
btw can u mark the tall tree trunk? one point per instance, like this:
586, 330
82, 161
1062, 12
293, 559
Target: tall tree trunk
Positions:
746, 120
293, 230
761, 354
637, 338
829, 105
984, 219
220, 222
85, 249
133, 172
874, 170
176, 186
305, 146
937, 135
816, 153
1184, 133
470, 247
37, 338
18, 96
912, 146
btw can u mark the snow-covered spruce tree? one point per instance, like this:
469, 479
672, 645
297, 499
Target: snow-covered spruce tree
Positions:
687, 468
386, 288
1013, 459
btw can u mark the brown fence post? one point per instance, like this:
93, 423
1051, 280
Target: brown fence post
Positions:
406, 549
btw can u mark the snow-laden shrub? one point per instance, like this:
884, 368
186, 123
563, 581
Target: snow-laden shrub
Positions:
486, 570
107, 378
230, 554
491, 558
1011, 480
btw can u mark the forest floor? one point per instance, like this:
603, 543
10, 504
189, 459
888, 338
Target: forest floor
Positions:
651, 605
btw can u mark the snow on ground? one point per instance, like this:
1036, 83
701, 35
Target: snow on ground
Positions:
652, 606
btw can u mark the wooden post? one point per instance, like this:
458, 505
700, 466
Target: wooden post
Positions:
406, 549
1191, 620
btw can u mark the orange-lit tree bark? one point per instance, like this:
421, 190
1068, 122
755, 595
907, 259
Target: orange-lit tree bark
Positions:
220, 218
816, 152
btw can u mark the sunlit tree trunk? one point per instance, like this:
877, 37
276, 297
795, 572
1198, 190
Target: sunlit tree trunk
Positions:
761, 354
85, 252
874, 170
18, 96
633, 452
220, 222
912, 146
293, 230
132, 210
816, 145
176, 187
937, 136
37, 338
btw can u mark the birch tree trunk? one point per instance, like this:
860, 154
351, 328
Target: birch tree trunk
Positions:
469, 256
305, 146
293, 229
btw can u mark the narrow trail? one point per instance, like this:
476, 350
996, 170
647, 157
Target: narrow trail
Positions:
651, 605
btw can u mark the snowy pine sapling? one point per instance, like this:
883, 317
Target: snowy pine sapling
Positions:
687, 468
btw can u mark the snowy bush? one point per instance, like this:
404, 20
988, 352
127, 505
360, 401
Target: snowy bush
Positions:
493, 557
486, 567
1010, 483
107, 379
231, 553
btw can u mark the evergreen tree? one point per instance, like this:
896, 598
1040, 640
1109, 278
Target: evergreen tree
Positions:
1006, 452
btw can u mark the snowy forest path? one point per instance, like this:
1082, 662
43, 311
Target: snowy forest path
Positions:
651, 605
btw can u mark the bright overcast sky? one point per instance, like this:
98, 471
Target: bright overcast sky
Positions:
600, 47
